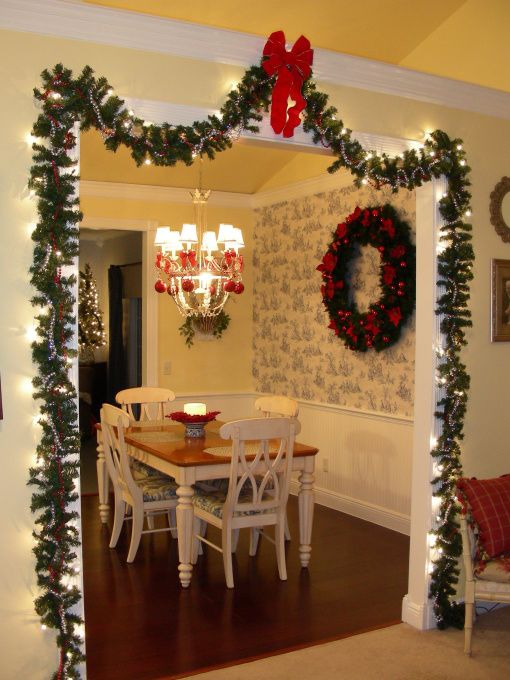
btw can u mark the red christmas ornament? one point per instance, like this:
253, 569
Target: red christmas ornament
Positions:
187, 285
212, 289
239, 287
160, 286
229, 286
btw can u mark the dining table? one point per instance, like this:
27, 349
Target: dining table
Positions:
163, 446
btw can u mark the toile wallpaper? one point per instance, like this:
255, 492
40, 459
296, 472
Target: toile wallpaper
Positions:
294, 353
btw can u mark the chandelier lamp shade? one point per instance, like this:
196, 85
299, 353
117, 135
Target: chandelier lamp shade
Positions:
197, 267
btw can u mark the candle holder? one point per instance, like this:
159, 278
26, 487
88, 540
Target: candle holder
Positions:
194, 424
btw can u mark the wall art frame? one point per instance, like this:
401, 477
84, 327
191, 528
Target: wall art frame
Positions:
500, 294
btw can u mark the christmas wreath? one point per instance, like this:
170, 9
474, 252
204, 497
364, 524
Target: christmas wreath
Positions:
381, 325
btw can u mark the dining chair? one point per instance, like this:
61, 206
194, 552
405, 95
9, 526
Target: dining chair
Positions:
277, 405
258, 488
150, 400
144, 404
146, 497
485, 531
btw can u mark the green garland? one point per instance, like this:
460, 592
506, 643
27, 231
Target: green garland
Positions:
379, 327
65, 100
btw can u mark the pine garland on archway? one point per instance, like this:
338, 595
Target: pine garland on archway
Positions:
66, 100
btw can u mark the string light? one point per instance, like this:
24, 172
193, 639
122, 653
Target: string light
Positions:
164, 146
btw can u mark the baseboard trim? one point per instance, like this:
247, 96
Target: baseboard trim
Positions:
366, 511
419, 616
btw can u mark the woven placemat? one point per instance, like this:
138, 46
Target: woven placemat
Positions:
155, 436
250, 449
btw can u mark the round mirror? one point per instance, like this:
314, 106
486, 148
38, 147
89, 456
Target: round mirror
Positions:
500, 208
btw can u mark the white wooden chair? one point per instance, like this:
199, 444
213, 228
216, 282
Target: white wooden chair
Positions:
151, 401
277, 405
146, 497
258, 488
487, 581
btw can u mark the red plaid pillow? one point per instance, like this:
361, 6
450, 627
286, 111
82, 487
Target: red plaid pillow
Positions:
488, 501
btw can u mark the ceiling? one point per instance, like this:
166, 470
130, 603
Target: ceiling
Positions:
384, 30
244, 168
463, 39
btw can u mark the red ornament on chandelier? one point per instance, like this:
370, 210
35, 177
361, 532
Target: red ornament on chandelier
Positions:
291, 68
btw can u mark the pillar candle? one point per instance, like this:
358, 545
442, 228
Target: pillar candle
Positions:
195, 409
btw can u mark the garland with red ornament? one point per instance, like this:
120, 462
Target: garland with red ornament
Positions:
65, 99
380, 326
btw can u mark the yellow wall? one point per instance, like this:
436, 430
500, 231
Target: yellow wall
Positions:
210, 365
31, 653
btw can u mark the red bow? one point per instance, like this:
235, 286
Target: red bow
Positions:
188, 256
292, 68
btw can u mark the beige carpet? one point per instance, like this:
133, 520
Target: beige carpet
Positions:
395, 653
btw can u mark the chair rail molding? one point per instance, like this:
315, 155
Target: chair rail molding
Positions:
78, 21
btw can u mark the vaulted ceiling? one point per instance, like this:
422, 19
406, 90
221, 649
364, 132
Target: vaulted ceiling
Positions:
462, 39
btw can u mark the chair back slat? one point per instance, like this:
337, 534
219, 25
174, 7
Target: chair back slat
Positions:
277, 405
150, 401
262, 450
113, 423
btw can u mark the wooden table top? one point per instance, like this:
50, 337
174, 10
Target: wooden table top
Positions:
186, 451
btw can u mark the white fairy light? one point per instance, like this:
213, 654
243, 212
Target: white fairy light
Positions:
468, 213
463, 162
459, 147
147, 161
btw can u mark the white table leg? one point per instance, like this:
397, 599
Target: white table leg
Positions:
102, 480
305, 500
185, 533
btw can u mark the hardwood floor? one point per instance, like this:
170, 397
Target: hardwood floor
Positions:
141, 625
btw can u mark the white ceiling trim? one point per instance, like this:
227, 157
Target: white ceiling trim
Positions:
157, 194
78, 21
117, 224
178, 114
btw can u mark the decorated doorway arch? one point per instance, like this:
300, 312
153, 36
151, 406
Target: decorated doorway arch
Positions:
65, 100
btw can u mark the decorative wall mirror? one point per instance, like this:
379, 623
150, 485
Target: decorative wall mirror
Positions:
500, 208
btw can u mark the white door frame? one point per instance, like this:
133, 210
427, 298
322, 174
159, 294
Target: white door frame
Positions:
416, 607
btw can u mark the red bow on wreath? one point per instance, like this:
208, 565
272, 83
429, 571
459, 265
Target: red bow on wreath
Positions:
292, 68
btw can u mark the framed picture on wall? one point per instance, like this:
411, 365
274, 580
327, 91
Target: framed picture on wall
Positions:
500, 301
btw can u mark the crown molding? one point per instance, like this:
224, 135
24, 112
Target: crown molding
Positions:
158, 194
179, 114
78, 21
151, 193
117, 224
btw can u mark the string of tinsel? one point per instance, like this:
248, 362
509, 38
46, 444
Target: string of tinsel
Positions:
65, 100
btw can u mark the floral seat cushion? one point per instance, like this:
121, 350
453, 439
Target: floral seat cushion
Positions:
158, 489
141, 471
211, 485
497, 569
214, 501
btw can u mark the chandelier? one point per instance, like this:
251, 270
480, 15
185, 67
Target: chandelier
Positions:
198, 268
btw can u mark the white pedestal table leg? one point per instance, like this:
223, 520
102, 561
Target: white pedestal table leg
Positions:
306, 500
185, 533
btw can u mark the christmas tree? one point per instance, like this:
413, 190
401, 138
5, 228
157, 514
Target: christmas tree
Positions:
91, 334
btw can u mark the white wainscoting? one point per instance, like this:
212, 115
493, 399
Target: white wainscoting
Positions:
363, 467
